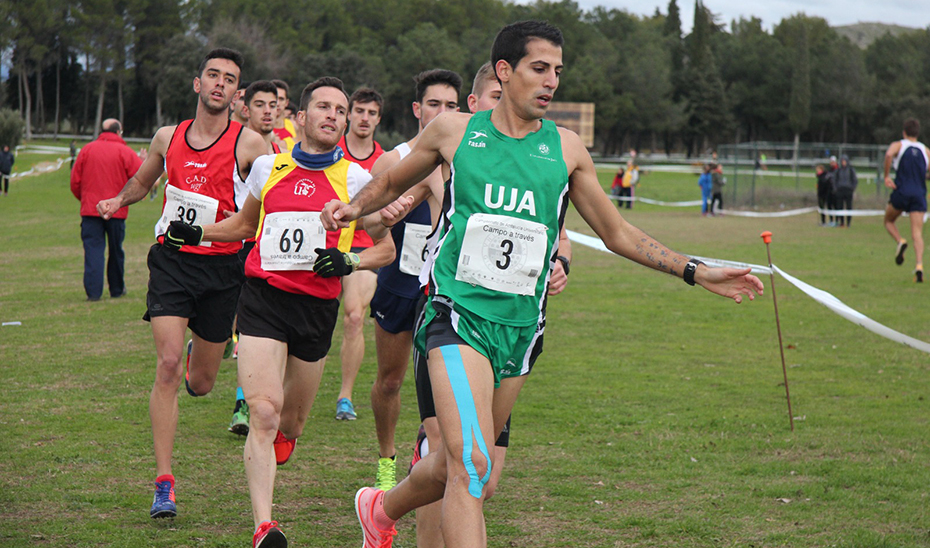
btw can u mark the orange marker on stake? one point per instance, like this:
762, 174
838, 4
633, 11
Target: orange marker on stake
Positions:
767, 238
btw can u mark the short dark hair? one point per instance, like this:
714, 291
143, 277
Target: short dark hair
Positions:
912, 127
281, 84
429, 78
366, 95
222, 53
113, 127
261, 85
510, 42
291, 107
322, 82
244, 85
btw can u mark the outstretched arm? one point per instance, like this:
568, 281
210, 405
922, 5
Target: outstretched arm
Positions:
628, 241
438, 139
138, 186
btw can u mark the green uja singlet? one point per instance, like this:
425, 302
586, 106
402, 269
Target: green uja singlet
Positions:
498, 234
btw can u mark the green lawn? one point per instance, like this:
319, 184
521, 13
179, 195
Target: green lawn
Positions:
655, 418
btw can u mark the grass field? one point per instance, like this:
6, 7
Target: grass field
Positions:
655, 418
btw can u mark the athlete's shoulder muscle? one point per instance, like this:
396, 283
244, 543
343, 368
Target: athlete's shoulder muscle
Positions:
161, 140
573, 150
385, 162
250, 146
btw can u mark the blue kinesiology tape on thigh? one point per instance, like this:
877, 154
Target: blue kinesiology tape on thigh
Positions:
468, 415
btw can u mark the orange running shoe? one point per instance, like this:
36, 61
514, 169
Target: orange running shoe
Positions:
283, 448
365, 500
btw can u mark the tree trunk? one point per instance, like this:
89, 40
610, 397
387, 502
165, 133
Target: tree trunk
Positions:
40, 100
98, 119
845, 118
159, 122
57, 94
119, 97
28, 106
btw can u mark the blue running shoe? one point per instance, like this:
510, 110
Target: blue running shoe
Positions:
164, 506
344, 410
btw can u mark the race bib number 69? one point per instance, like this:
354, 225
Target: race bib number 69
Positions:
289, 238
502, 253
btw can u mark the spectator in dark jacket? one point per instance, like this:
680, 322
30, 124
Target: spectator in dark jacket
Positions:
844, 185
825, 194
100, 171
6, 168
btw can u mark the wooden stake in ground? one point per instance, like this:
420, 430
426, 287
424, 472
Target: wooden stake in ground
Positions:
767, 238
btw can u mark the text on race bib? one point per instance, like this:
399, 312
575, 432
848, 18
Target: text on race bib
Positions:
413, 253
289, 238
188, 207
502, 253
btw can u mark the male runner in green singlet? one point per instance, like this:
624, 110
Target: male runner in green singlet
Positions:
511, 174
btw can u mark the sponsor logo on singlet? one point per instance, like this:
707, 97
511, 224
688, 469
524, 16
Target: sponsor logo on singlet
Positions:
477, 135
196, 181
190, 163
304, 187
527, 201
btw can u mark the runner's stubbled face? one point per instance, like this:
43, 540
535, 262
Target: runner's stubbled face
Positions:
216, 85
324, 121
530, 86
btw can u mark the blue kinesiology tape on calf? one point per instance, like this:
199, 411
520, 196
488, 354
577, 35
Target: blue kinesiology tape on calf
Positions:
468, 416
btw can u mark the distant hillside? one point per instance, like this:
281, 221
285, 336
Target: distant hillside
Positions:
863, 34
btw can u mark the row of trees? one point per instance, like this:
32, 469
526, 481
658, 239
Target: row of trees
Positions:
75, 62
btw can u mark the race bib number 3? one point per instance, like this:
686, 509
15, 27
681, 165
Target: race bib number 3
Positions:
188, 207
413, 253
289, 238
502, 253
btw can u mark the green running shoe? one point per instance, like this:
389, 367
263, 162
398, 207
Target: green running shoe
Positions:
387, 475
228, 351
240, 421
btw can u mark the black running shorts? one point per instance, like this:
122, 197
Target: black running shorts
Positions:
202, 288
303, 322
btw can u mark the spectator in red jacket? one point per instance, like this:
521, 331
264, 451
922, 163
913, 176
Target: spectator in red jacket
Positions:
100, 171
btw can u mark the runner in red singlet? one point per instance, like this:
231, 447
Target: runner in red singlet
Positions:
207, 159
359, 145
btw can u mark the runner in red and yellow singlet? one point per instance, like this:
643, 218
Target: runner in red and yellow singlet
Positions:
288, 307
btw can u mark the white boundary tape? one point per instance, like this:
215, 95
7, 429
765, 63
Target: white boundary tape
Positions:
44, 169
835, 305
739, 213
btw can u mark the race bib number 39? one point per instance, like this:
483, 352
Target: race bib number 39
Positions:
413, 253
502, 253
188, 207
289, 238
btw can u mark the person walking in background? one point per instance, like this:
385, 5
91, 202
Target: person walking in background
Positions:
6, 168
629, 180
616, 188
824, 194
717, 182
844, 185
910, 160
705, 181
100, 171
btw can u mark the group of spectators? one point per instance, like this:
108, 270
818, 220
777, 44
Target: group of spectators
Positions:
836, 184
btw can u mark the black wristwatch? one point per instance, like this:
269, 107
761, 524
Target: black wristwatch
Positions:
565, 263
690, 269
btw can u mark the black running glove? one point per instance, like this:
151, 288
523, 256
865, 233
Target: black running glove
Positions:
180, 233
332, 262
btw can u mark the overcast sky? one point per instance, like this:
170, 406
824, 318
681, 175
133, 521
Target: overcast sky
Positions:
909, 13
